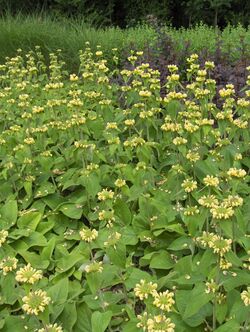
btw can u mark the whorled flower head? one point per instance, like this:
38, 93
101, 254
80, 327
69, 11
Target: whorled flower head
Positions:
8, 264
235, 172
222, 212
233, 201
35, 302
105, 194
208, 201
51, 328
88, 234
160, 323
189, 185
94, 267
28, 274
191, 210
245, 296
193, 156
3, 236
120, 183
220, 245
211, 287
211, 181
224, 264
164, 300
206, 239
144, 289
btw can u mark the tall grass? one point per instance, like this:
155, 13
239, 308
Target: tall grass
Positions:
70, 36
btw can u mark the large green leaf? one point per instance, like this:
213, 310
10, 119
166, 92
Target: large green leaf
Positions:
100, 320
8, 214
83, 323
59, 294
29, 220
231, 325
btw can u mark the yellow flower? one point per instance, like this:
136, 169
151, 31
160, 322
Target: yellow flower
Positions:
191, 210
222, 212
35, 302
113, 238
144, 289
29, 141
233, 201
164, 300
208, 201
224, 93
88, 234
235, 172
3, 236
28, 274
193, 156
111, 125
129, 122
51, 328
206, 240
189, 185
145, 93
107, 215
224, 264
211, 181
94, 267
238, 156
220, 245
212, 287
245, 296
179, 141
190, 127
105, 194
73, 77
120, 183
8, 264
160, 323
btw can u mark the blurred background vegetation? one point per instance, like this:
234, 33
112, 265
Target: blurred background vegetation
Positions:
178, 13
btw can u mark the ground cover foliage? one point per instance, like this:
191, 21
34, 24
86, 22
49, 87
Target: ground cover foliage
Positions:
122, 209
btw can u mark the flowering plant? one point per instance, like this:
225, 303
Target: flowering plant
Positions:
122, 209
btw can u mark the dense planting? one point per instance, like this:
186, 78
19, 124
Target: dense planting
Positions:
122, 209
228, 48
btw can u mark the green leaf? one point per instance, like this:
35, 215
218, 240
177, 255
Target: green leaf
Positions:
134, 276
117, 255
242, 278
29, 220
221, 312
231, 325
59, 294
83, 323
14, 323
162, 260
34, 259
45, 190
8, 296
94, 280
73, 211
68, 261
183, 300
100, 320
200, 299
122, 211
9, 214
91, 184
69, 316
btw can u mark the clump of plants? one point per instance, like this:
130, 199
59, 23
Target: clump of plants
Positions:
122, 209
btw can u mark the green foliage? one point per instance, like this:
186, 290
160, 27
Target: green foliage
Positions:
122, 209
